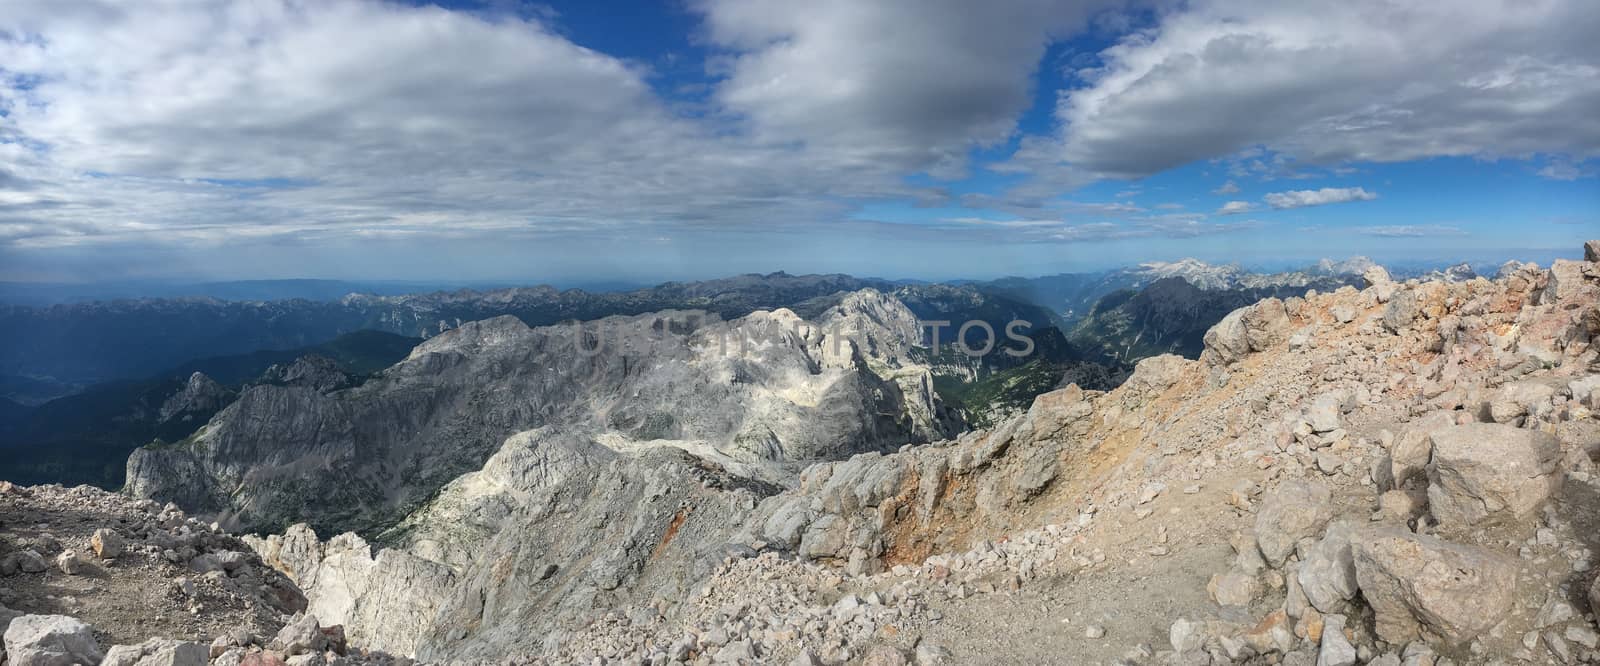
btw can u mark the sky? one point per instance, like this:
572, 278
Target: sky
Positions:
932, 139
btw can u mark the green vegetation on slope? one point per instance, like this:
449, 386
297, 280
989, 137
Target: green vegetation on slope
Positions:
985, 400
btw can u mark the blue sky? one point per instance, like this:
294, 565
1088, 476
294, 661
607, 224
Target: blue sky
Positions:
645, 141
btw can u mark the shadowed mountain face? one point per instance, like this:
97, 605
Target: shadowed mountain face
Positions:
360, 458
85, 438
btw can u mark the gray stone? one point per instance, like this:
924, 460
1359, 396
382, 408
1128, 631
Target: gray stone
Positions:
741, 652
1408, 456
1328, 573
1187, 635
1233, 589
1514, 401
1402, 309
1484, 472
158, 652
1591, 251
299, 636
1296, 509
71, 563
1583, 635
50, 640
1422, 587
1249, 329
1336, 649
25, 561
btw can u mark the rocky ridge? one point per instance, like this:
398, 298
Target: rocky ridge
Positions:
765, 391
1402, 473
1398, 474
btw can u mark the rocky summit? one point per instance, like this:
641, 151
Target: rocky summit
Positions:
1396, 473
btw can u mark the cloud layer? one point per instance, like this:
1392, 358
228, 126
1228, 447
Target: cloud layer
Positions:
228, 124
1366, 80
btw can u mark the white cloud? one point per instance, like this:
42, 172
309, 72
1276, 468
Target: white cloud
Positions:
1326, 83
1235, 207
916, 83
1227, 188
1410, 231
1565, 169
1326, 195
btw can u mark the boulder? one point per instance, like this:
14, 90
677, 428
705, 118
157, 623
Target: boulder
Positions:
301, 635
1325, 410
1233, 589
1514, 401
25, 561
107, 544
158, 652
1566, 282
1408, 456
1328, 573
1296, 509
1402, 309
1375, 275
1422, 587
1249, 329
1486, 472
71, 563
1594, 598
1591, 251
50, 640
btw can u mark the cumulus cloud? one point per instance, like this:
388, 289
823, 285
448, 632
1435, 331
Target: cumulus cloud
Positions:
1326, 195
916, 83
1227, 188
1235, 207
1325, 83
221, 121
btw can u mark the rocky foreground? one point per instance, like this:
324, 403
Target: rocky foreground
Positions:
1398, 474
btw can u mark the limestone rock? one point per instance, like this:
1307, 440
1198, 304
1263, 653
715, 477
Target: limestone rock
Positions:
1249, 329
1296, 509
1402, 309
1336, 649
1484, 472
1591, 251
71, 563
107, 544
1516, 400
1328, 573
1375, 275
50, 640
158, 652
1423, 587
1408, 456
1233, 589
300, 636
